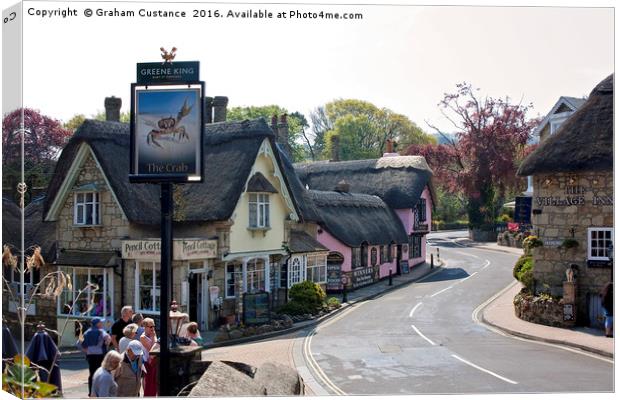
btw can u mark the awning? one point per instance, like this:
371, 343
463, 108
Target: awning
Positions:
301, 242
85, 258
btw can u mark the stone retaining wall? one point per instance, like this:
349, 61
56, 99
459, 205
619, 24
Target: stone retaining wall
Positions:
539, 310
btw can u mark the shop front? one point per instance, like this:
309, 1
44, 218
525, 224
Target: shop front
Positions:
192, 267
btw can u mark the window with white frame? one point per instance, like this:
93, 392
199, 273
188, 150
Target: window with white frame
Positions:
256, 276
383, 255
13, 277
94, 299
86, 209
599, 241
296, 270
148, 287
233, 274
259, 210
316, 268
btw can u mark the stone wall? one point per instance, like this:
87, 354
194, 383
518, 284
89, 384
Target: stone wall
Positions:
564, 207
113, 226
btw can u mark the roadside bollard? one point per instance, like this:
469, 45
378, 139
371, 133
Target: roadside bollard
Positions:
390, 284
432, 261
344, 280
437, 253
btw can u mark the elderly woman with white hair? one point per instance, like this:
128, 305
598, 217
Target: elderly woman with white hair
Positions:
104, 384
129, 333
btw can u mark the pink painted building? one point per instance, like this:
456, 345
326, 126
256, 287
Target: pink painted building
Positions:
378, 221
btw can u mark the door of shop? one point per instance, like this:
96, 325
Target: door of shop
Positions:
199, 299
595, 311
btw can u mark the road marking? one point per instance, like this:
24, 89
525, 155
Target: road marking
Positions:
471, 364
314, 365
464, 279
465, 254
487, 264
413, 309
422, 336
475, 317
442, 290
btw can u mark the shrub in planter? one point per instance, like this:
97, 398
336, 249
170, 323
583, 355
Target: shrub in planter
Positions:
309, 294
294, 308
569, 244
523, 267
333, 302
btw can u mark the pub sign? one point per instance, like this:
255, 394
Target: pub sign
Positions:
167, 123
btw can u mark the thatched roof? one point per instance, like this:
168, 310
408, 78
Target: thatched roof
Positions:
355, 218
301, 242
398, 180
36, 232
584, 142
230, 149
302, 197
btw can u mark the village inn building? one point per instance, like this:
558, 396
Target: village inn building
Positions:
572, 204
251, 226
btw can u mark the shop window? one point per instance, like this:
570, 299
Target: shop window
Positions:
316, 268
390, 252
148, 287
373, 256
13, 278
259, 210
599, 241
296, 270
364, 255
90, 303
383, 256
86, 209
256, 276
233, 274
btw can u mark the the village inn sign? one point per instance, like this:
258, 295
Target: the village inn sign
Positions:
576, 196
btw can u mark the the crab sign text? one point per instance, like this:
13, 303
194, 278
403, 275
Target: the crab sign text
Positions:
155, 168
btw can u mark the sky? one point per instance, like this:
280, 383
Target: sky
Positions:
400, 57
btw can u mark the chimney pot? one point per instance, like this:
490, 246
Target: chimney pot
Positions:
389, 146
343, 187
208, 111
274, 123
219, 108
335, 153
112, 108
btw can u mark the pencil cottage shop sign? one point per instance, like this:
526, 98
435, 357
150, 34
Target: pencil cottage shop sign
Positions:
183, 249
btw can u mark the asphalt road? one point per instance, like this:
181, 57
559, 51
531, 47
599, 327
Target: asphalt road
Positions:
423, 339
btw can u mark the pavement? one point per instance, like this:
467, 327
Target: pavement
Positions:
500, 314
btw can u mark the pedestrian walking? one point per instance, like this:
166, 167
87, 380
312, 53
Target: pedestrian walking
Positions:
137, 319
128, 375
104, 384
130, 333
120, 324
95, 345
148, 340
607, 301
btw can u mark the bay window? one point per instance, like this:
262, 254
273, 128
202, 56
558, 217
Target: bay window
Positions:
256, 276
95, 299
148, 287
316, 268
296, 270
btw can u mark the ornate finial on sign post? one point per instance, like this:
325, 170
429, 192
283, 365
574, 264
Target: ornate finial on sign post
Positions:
168, 57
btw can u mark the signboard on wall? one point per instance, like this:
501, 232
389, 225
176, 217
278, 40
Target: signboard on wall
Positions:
334, 273
404, 266
364, 276
183, 249
256, 308
523, 209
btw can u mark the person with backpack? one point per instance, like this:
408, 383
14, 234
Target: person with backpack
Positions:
95, 345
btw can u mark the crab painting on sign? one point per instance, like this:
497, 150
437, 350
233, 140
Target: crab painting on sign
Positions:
167, 123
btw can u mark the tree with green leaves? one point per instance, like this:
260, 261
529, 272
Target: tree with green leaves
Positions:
78, 119
298, 139
363, 129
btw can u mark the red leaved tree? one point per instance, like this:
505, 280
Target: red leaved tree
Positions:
481, 159
43, 139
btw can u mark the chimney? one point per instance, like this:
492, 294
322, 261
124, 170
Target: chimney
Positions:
112, 108
390, 148
342, 187
219, 108
274, 124
208, 111
283, 130
335, 142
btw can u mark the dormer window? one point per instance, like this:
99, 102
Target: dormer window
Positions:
86, 210
259, 189
259, 210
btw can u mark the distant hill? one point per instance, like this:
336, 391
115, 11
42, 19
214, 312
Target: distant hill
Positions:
443, 140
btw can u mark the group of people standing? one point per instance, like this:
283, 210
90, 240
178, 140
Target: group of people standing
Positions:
120, 363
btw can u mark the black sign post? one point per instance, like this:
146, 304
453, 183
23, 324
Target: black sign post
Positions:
523, 210
166, 127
